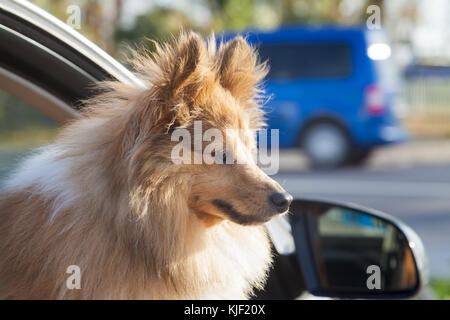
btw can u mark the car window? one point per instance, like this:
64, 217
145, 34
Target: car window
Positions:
307, 60
22, 128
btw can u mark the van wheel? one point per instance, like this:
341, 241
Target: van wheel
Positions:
327, 145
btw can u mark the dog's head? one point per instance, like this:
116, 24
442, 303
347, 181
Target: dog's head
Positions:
197, 122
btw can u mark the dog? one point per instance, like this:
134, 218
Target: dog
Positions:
106, 203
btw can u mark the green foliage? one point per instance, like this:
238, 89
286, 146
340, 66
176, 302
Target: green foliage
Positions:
441, 287
15, 114
165, 17
157, 24
235, 15
21, 125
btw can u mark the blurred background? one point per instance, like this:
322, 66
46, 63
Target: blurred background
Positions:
395, 156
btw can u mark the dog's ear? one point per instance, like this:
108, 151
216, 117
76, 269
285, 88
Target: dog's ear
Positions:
175, 74
239, 70
179, 69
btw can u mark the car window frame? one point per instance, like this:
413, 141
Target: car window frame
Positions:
36, 97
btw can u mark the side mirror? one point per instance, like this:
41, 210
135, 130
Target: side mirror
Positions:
348, 251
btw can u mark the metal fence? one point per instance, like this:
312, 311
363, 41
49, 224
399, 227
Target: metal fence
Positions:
428, 100
428, 95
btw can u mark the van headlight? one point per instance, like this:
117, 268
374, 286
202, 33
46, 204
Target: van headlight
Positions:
379, 51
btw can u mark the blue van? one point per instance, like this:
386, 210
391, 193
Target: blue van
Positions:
333, 91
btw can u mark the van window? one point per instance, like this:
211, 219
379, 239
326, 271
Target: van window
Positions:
307, 60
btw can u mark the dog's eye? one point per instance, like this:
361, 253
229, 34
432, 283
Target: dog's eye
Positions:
224, 156
227, 156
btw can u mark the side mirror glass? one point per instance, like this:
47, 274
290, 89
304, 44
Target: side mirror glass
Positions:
355, 252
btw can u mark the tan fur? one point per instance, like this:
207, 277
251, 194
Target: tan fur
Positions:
113, 203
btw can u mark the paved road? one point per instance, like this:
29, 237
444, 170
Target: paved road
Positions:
418, 195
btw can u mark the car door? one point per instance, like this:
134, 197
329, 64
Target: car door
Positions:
46, 68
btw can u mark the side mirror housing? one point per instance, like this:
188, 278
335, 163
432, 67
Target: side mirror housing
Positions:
347, 251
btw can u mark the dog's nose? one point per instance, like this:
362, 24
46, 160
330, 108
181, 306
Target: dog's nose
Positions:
282, 201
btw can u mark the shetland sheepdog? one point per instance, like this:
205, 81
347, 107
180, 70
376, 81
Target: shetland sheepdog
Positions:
106, 196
